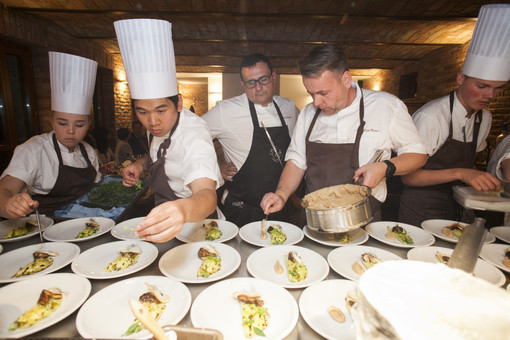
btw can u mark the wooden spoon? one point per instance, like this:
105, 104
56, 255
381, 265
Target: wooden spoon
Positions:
143, 315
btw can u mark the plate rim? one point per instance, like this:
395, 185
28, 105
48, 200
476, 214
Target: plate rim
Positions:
501, 227
114, 232
307, 233
259, 244
494, 245
451, 240
219, 240
371, 231
99, 233
29, 235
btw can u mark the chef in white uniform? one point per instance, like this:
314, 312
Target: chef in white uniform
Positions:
184, 170
499, 164
54, 168
454, 127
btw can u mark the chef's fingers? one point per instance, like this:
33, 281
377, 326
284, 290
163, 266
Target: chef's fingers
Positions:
130, 176
20, 205
162, 224
271, 203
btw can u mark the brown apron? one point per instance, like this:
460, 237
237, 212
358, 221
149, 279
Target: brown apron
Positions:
418, 204
329, 164
159, 181
71, 183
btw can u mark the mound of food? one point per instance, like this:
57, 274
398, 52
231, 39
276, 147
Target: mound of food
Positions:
335, 196
128, 257
42, 260
91, 227
211, 261
48, 302
255, 316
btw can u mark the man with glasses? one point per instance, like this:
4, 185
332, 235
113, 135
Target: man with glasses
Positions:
253, 166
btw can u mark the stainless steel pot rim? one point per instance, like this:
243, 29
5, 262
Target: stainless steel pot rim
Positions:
319, 230
344, 207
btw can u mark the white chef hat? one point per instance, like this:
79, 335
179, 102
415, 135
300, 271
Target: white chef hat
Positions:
72, 80
488, 56
147, 52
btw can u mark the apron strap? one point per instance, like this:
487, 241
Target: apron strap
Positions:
254, 118
478, 121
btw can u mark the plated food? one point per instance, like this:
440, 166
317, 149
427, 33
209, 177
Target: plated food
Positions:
436, 228
453, 230
335, 196
496, 254
350, 238
155, 302
483, 269
78, 229
280, 233
280, 305
42, 260
320, 303
400, 235
128, 256
342, 259
255, 317
30, 306
288, 266
125, 230
213, 229
183, 264
115, 259
91, 227
107, 313
22, 228
35, 260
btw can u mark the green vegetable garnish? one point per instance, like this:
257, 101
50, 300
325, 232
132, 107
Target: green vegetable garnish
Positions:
258, 331
112, 194
401, 234
138, 185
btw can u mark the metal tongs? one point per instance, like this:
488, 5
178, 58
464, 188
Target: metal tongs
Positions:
38, 220
271, 142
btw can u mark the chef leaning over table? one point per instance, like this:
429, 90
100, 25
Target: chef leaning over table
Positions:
182, 161
338, 133
454, 127
54, 168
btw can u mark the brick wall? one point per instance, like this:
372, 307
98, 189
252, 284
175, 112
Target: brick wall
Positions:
196, 94
123, 114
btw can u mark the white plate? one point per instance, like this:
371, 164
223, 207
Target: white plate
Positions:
495, 253
261, 263
19, 297
182, 262
8, 225
68, 230
359, 236
435, 227
107, 313
281, 305
195, 232
251, 233
125, 230
503, 233
420, 237
13, 260
92, 262
315, 301
483, 269
341, 259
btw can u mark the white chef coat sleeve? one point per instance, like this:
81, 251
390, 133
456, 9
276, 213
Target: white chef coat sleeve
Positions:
25, 164
501, 153
404, 134
429, 127
213, 120
297, 148
199, 160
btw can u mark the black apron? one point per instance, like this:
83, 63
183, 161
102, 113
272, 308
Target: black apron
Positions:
418, 204
159, 181
71, 183
333, 164
259, 174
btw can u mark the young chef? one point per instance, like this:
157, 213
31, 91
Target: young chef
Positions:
184, 170
338, 133
455, 126
254, 166
52, 169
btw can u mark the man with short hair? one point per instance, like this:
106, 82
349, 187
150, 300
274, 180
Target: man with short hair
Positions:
138, 139
239, 123
340, 131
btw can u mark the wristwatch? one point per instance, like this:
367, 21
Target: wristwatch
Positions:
390, 170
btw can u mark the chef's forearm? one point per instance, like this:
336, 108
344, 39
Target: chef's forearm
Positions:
422, 177
289, 180
201, 203
408, 162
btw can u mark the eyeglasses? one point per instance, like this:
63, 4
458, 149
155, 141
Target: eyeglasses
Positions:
264, 80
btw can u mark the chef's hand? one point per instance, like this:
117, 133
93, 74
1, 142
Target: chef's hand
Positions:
162, 224
372, 174
20, 205
480, 180
131, 174
272, 203
228, 170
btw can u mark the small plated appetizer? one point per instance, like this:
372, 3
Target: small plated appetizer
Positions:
296, 269
350, 299
48, 302
336, 314
277, 234
343, 238
128, 257
42, 260
442, 257
254, 315
155, 302
368, 261
91, 227
400, 234
28, 227
211, 261
506, 259
212, 231
453, 230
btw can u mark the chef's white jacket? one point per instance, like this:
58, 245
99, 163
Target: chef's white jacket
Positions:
388, 126
433, 123
35, 162
230, 121
501, 153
